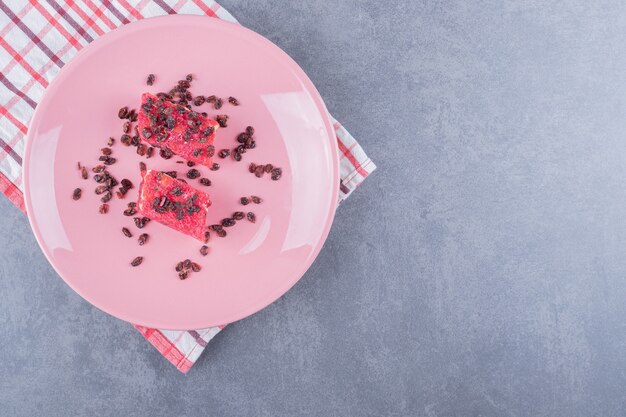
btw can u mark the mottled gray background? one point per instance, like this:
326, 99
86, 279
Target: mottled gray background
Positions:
489, 277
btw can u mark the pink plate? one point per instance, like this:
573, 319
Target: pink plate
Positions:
256, 263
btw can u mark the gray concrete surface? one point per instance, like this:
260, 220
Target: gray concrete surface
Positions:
490, 274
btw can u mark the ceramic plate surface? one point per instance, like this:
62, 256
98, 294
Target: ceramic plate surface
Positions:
256, 263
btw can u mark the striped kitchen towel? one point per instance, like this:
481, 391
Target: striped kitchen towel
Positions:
37, 38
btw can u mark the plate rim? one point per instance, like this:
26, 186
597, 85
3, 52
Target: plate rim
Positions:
301, 75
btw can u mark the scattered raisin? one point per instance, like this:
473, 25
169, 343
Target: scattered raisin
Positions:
111, 141
150, 79
123, 112
259, 171
101, 189
126, 127
251, 217
204, 250
252, 167
222, 120
104, 208
106, 197
215, 166
250, 130
198, 101
228, 222
140, 222
223, 153
207, 236
179, 267
205, 181
256, 200
84, 173
142, 149
221, 232
245, 201
233, 101
238, 215
193, 174
126, 183
143, 238
137, 261
237, 155
142, 167
276, 174
195, 267
268, 168
166, 153
183, 275
126, 232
